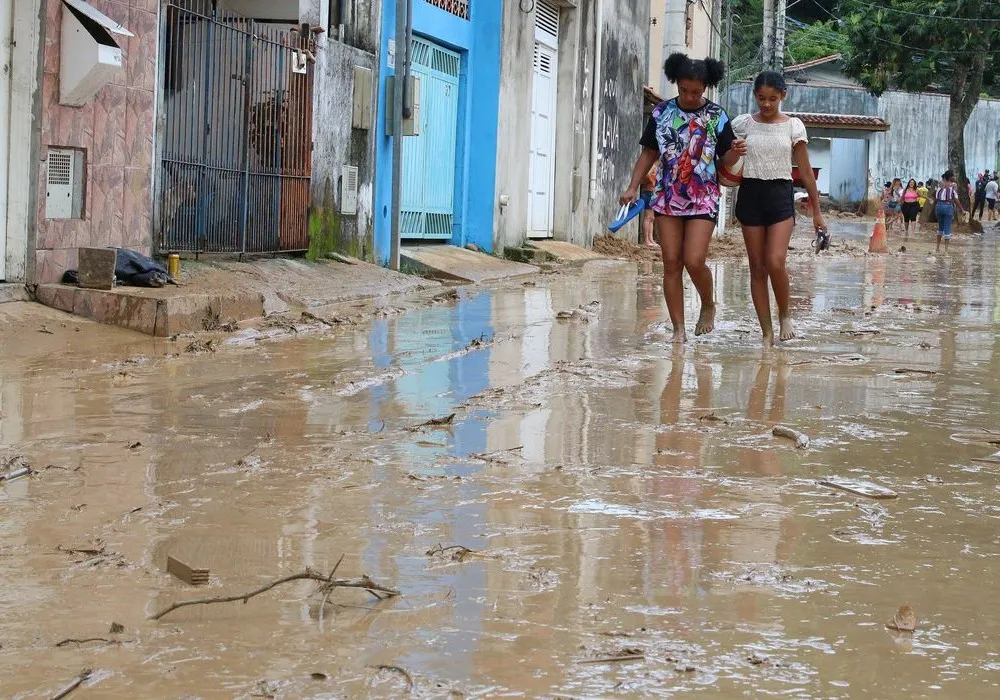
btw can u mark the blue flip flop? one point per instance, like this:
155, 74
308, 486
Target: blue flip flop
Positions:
626, 214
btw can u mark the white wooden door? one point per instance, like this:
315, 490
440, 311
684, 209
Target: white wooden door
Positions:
6, 19
542, 161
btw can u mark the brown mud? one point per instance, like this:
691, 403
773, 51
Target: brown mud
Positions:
568, 508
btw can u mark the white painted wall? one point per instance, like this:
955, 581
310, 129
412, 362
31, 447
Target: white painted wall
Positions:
24, 139
848, 170
819, 157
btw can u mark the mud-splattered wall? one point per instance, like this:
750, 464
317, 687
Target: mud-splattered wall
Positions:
580, 210
335, 142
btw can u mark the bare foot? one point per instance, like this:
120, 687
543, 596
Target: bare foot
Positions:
787, 332
706, 321
651, 244
680, 336
768, 340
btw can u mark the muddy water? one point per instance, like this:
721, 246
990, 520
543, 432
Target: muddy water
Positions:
622, 498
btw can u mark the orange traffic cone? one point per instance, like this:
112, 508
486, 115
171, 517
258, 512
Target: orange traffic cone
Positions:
879, 242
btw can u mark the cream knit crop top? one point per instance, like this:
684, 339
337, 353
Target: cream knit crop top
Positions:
769, 146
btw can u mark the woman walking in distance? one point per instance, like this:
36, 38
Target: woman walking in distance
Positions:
946, 202
687, 134
764, 206
910, 206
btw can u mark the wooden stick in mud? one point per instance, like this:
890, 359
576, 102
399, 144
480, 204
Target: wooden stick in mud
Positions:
613, 659
329, 583
76, 683
801, 439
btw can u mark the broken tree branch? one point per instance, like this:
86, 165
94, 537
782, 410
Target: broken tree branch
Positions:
801, 439
74, 684
364, 582
66, 642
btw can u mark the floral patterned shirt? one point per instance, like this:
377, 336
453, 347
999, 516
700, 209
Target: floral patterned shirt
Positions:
688, 144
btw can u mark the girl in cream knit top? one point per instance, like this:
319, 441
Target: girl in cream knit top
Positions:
769, 146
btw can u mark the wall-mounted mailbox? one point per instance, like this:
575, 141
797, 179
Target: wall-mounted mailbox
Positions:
89, 55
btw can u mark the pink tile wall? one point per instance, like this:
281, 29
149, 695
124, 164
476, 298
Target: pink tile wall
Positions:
115, 130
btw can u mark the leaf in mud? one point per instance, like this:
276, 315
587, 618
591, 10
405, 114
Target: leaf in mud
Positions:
318, 676
447, 420
904, 620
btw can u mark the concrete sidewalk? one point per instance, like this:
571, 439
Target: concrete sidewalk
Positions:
219, 292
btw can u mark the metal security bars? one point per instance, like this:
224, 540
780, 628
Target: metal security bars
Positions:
235, 134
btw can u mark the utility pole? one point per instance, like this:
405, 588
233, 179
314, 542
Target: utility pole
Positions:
399, 79
768, 33
774, 34
779, 35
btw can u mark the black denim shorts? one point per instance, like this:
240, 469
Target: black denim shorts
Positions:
764, 202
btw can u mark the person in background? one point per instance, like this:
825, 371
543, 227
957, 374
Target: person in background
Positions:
764, 206
946, 204
893, 202
991, 198
979, 200
688, 134
648, 215
910, 206
923, 196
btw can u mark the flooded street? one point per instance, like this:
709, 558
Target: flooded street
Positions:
635, 527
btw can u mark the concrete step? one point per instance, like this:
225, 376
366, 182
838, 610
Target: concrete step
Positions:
452, 263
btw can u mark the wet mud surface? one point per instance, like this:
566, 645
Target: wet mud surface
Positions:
568, 505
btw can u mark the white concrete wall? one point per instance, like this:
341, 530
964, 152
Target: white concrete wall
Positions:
671, 34
23, 169
819, 157
577, 217
848, 170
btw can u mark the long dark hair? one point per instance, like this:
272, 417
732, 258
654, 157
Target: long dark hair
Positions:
707, 71
913, 182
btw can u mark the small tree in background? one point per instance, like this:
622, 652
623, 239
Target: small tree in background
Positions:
920, 45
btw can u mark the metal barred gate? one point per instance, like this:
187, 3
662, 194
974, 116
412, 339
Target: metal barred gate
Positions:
235, 132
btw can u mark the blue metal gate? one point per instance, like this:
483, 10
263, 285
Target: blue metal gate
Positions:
428, 200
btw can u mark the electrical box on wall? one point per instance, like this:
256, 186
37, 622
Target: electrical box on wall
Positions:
349, 190
89, 55
361, 116
411, 126
64, 184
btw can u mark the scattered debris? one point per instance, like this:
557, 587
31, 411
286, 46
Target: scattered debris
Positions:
328, 584
757, 660
856, 332
230, 327
859, 487
713, 418
564, 315
801, 439
986, 460
134, 445
398, 669
434, 423
911, 370
931, 479
904, 620
318, 676
15, 468
186, 573
88, 640
211, 322
455, 552
308, 317
280, 323
45, 330
442, 297
82, 678
200, 346
626, 654
685, 669
116, 628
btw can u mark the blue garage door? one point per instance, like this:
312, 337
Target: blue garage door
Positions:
428, 205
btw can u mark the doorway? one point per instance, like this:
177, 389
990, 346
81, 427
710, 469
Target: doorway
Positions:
541, 160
